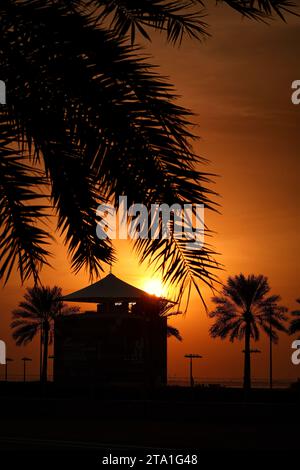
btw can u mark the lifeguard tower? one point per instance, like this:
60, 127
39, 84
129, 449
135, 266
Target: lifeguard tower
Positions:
123, 341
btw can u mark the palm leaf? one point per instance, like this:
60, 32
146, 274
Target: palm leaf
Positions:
295, 322
173, 332
24, 333
262, 9
23, 241
177, 18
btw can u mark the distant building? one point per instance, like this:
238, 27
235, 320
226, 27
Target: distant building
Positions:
123, 342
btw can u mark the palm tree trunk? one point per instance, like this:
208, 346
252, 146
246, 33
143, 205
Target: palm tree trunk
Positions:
247, 359
45, 352
41, 352
271, 356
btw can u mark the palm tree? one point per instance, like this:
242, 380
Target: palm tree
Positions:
36, 313
295, 322
90, 119
243, 308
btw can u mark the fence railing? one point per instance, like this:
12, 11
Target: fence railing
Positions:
180, 381
229, 382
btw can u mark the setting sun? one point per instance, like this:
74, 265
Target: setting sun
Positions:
154, 287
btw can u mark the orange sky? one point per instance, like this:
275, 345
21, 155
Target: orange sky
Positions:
238, 83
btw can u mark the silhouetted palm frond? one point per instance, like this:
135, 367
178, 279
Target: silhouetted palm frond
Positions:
166, 310
23, 241
295, 322
175, 18
174, 332
262, 9
24, 332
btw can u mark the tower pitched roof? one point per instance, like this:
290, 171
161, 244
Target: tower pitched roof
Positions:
110, 287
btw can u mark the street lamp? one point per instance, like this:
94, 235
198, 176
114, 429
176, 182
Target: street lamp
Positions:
25, 359
191, 357
8, 359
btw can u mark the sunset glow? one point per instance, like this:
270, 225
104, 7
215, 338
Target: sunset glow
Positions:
154, 287
250, 133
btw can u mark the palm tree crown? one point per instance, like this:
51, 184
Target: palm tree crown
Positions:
243, 308
36, 313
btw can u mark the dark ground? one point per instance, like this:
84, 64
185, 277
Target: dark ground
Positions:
215, 423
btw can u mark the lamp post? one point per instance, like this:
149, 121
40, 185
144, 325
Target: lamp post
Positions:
191, 357
8, 359
25, 359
